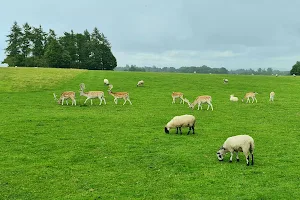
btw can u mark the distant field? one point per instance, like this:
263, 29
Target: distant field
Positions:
49, 151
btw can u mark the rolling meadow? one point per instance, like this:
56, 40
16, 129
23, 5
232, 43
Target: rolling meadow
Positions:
50, 151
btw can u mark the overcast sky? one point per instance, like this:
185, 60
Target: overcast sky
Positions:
173, 33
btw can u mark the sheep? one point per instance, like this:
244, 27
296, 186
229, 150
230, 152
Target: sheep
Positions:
242, 143
233, 98
181, 121
140, 83
272, 94
225, 81
106, 82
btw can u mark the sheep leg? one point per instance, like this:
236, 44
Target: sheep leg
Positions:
231, 154
189, 130
237, 156
193, 129
247, 158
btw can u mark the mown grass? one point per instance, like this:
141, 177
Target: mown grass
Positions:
49, 151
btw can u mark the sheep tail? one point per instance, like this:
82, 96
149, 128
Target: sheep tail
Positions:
251, 149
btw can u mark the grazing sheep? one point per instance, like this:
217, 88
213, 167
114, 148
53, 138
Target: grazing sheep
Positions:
140, 83
181, 121
242, 143
233, 98
272, 94
225, 81
106, 82
294, 75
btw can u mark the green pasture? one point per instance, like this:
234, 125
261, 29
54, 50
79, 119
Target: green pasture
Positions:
50, 151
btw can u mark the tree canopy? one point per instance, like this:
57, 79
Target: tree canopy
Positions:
32, 47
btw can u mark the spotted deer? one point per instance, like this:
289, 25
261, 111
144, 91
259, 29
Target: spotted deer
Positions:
201, 100
91, 95
65, 96
120, 95
176, 95
250, 95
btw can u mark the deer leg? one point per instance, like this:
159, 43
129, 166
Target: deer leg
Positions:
86, 100
104, 100
129, 101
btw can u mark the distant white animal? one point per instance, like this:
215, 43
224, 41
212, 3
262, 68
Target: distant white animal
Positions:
176, 95
181, 121
106, 82
225, 80
272, 95
238, 143
294, 75
140, 83
233, 98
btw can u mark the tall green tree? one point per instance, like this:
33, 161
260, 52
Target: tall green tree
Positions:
38, 41
13, 50
55, 55
26, 46
295, 69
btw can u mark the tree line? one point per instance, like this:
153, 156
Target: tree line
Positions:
32, 47
202, 69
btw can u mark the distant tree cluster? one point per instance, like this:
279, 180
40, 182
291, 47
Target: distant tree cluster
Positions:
32, 47
295, 69
203, 70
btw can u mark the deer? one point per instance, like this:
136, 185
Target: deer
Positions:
201, 100
120, 95
272, 94
91, 95
250, 95
65, 96
176, 95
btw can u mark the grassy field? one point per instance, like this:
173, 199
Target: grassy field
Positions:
49, 151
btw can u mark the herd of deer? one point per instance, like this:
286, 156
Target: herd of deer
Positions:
205, 99
90, 95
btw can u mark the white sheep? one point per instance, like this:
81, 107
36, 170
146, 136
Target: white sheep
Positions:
140, 83
181, 121
242, 143
225, 80
106, 82
233, 98
272, 94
